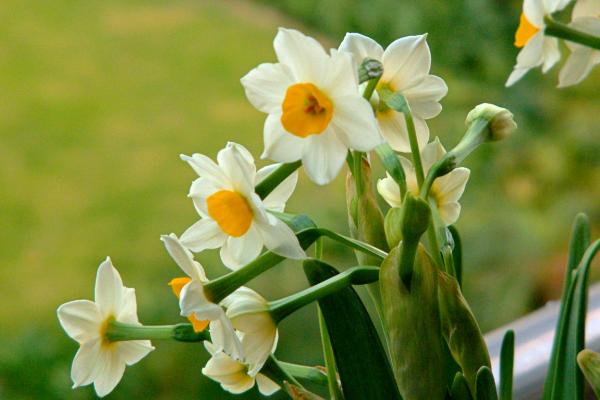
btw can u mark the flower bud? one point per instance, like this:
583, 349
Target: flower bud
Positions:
501, 121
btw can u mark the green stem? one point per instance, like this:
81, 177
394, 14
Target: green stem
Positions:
118, 331
319, 248
432, 235
281, 308
332, 381
414, 145
221, 287
304, 373
267, 185
563, 31
275, 371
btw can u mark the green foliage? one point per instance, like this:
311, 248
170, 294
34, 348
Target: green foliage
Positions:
507, 356
360, 358
486, 387
413, 323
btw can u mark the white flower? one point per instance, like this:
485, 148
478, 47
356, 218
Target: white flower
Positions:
99, 360
586, 18
249, 314
315, 110
406, 64
446, 190
233, 375
194, 301
233, 216
537, 49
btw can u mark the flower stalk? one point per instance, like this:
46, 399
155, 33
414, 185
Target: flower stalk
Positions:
118, 331
281, 308
564, 31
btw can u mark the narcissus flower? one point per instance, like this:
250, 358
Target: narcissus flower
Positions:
249, 314
446, 190
193, 301
585, 18
233, 216
98, 360
233, 375
406, 64
537, 49
316, 112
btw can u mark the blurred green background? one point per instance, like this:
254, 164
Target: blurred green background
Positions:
99, 98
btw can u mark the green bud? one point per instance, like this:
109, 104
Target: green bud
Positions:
369, 69
589, 363
500, 120
413, 323
393, 226
461, 331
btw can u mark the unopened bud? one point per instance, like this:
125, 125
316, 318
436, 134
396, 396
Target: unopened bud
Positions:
501, 121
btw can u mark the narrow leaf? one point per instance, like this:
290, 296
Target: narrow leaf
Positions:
457, 253
486, 387
361, 360
507, 354
460, 388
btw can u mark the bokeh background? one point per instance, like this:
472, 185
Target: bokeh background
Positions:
99, 98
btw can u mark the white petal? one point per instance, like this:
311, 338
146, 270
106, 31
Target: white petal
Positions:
425, 96
239, 251
450, 187
532, 54
341, 78
225, 338
577, 67
85, 363
586, 8
201, 189
361, 47
205, 167
192, 300
551, 53
281, 146
405, 61
238, 165
355, 123
389, 190
265, 385
258, 344
394, 131
109, 288
81, 319
323, 157
431, 153
183, 258
534, 11
449, 212
302, 54
266, 86
280, 195
127, 311
516, 75
134, 350
110, 376
204, 234
280, 239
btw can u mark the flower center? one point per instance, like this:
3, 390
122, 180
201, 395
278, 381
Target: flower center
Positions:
306, 110
525, 31
105, 343
177, 285
231, 211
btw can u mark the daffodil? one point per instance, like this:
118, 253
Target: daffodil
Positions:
446, 190
406, 64
537, 49
315, 111
249, 314
234, 218
585, 18
193, 301
234, 375
98, 360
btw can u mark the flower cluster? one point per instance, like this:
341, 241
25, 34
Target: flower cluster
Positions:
320, 115
537, 37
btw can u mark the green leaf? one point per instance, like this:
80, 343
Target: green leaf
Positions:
457, 253
589, 362
413, 324
266, 186
460, 388
486, 386
392, 165
564, 380
335, 392
460, 329
361, 360
507, 355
